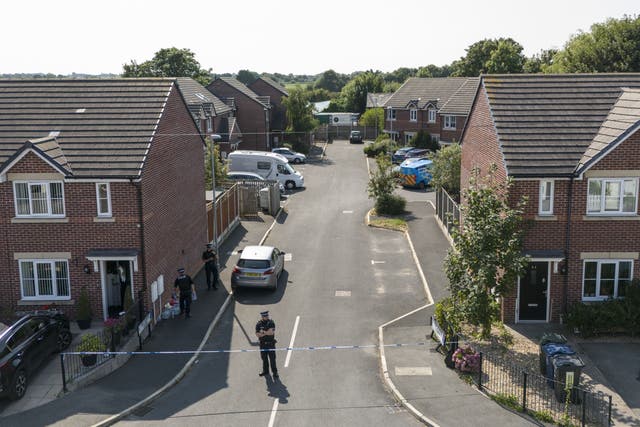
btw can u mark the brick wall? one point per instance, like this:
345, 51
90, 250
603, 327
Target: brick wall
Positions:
278, 112
250, 115
403, 124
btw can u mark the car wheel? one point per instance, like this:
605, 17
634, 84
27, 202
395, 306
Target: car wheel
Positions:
290, 185
18, 385
297, 161
63, 340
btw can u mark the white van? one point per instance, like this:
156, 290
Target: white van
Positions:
267, 165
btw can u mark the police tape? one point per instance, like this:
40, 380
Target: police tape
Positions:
250, 350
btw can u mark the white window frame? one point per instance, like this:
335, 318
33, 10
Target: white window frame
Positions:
617, 262
49, 213
431, 112
447, 122
54, 280
413, 115
407, 137
543, 196
391, 114
209, 124
602, 197
108, 213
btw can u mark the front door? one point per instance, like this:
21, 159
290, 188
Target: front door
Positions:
533, 292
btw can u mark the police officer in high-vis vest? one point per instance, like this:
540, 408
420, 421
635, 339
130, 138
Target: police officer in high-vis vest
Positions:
265, 331
210, 267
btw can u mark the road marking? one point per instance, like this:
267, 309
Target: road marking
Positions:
274, 409
343, 293
293, 337
377, 262
413, 370
347, 212
287, 257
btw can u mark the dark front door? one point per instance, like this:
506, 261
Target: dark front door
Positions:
533, 292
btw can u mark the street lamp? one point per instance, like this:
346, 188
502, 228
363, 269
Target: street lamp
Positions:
390, 116
214, 138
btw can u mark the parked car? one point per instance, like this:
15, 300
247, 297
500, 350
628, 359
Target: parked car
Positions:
268, 165
415, 172
258, 267
408, 152
242, 176
26, 344
355, 137
292, 156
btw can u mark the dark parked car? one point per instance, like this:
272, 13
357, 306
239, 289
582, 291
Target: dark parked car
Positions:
355, 137
408, 152
26, 344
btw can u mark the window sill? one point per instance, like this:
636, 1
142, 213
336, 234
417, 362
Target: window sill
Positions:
49, 302
16, 220
546, 218
104, 219
611, 218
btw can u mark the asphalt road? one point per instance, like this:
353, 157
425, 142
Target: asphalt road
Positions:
344, 279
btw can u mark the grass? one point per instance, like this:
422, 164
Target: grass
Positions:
508, 400
397, 224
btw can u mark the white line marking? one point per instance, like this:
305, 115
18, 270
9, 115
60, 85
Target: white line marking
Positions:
293, 337
274, 409
343, 293
377, 262
413, 370
347, 212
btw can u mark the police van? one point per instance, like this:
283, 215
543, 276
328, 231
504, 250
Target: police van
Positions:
268, 165
416, 172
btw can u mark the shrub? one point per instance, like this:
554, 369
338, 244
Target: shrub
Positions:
91, 343
466, 359
84, 306
447, 315
390, 204
383, 146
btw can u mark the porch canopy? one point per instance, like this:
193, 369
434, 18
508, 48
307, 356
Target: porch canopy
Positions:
96, 255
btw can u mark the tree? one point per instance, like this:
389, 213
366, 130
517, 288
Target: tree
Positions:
381, 186
540, 62
247, 77
423, 139
400, 75
486, 258
221, 168
490, 56
171, 62
354, 93
446, 169
434, 71
299, 111
373, 117
610, 47
331, 81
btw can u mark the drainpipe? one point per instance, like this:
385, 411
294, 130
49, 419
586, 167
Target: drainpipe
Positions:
143, 260
567, 245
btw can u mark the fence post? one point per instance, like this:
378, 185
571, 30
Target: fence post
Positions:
584, 407
609, 423
113, 340
64, 374
480, 374
524, 392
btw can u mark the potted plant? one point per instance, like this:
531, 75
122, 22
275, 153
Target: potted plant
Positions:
113, 331
90, 343
84, 310
129, 316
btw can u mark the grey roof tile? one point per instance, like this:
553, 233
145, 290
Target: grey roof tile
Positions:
561, 113
425, 90
274, 84
196, 96
237, 85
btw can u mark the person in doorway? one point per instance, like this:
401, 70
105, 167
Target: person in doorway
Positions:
210, 259
265, 331
122, 278
185, 287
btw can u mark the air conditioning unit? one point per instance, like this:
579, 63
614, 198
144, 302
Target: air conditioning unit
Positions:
265, 198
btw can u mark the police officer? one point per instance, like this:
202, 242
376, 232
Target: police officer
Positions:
265, 331
210, 266
185, 287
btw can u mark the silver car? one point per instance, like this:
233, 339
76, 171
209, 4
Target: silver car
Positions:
258, 267
292, 156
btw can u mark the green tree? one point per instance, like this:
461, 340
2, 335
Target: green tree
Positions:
382, 182
331, 81
400, 75
169, 62
423, 139
354, 93
373, 117
486, 258
540, 63
503, 55
299, 111
610, 47
247, 77
434, 71
221, 167
446, 169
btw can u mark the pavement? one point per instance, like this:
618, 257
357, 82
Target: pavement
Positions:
415, 375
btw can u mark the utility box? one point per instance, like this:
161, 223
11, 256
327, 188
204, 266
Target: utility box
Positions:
264, 198
567, 369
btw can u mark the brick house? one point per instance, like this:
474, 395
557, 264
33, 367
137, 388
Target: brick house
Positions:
266, 87
253, 111
571, 144
439, 106
212, 116
101, 188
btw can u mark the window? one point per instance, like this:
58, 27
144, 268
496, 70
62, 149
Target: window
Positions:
449, 122
606, 279
39, 198
209, 124
545, 206
283, 169
103, 198
612, 196
432, 115
391, 114
413, 115
408, 137
264, 166
44, 279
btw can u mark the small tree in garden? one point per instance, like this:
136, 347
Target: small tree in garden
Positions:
381, 186
486, 258
446, 169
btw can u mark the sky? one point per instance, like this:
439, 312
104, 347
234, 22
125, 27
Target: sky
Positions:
283, 36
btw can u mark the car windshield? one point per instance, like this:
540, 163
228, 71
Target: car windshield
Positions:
253, 263
289, 168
